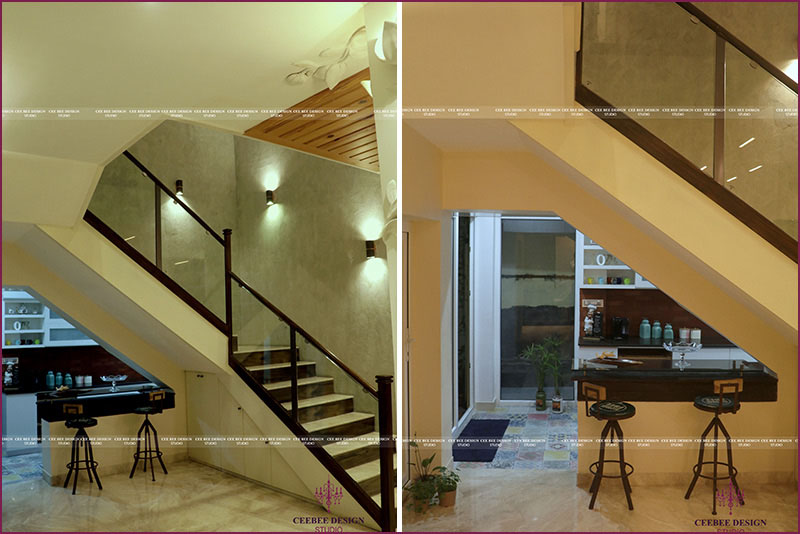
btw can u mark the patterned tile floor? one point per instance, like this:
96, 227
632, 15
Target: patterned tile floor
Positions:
533, 440
21, 468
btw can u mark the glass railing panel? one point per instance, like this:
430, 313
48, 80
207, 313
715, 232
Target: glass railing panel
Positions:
632, 61
192, 256
124, 200
760, 140
345, 416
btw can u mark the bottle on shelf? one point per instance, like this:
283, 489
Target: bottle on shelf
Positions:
50, 380
59, 379
656, 330
68, 380
669, 335
644, 329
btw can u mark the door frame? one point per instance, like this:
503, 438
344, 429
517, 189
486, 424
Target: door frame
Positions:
499, 252
458, 423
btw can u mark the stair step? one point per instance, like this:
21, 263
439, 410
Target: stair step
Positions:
323, 406
258, 355
348, 424
313, 386
355, 451
277, 372
368, 475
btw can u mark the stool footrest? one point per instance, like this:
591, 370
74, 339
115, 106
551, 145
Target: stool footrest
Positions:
698, 470
76, 465
593, 468
147, 454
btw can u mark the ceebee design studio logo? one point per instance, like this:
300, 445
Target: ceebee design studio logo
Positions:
329, 494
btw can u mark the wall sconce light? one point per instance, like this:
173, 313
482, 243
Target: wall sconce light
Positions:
370, 249
270, 197
179, 188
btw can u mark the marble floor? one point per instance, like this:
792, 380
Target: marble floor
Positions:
509, 500
191, 498
21, 468
533, 440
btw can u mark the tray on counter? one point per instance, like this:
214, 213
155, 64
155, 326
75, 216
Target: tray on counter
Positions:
619, 362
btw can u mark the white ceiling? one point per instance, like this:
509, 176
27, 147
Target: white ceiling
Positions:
158, 55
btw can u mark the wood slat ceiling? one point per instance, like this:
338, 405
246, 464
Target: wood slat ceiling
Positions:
337, 124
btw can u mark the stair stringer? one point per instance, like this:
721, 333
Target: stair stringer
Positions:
305, 465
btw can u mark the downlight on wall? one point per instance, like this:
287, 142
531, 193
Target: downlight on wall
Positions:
270, 197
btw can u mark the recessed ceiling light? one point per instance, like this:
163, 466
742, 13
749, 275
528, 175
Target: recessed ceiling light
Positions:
731, 179
755, 168
747, 142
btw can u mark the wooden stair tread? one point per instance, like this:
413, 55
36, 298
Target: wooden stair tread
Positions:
247, 349
300, 382
318, 400
363, 472
349, 445
273, 366
337, 420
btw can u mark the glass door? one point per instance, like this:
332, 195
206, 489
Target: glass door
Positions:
463, 330
537, 285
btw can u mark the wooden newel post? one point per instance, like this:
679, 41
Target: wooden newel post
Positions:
387, 450
226, 233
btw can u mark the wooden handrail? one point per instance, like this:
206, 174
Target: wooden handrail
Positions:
737, 43
308, 337
174, 197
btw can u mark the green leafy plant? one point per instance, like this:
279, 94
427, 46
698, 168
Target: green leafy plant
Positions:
424, 487
545, 357
446, 479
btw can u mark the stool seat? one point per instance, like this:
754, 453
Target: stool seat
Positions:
80, 422
612, 410
710, 403
146, 410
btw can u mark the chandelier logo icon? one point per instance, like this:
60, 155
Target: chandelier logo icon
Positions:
731, 497
329, 494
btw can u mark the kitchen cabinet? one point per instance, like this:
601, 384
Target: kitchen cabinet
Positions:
29, 324
595, 267
19, 424
203, 416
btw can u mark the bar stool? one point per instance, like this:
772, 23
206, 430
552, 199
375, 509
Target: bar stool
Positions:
81, 439
612, 412
151, 449
718, 404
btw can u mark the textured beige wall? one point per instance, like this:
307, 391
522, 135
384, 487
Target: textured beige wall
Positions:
313, 238
306, 254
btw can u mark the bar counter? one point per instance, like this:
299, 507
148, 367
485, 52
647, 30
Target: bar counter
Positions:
660, 380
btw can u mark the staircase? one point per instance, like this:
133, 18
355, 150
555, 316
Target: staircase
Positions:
350, 437
345, 422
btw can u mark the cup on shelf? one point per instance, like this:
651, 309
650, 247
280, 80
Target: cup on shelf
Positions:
87, 380
78, 381
601, 280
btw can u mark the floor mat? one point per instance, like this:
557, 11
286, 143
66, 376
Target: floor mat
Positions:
480, 440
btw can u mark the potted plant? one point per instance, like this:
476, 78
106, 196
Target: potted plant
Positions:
446, 485
540, 355
553, 363
423, 487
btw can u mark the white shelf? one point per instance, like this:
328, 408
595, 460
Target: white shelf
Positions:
15, 347
24, 332
24, 316
607, 268
607, 286
592, 247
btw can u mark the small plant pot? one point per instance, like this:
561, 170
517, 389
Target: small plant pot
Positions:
556, 405
421, 506
541, 401
447, 499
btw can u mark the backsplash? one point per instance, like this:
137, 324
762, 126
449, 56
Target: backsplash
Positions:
89, 360
651, 304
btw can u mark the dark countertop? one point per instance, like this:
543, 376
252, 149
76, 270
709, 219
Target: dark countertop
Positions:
639, 343
98, 387
660, 380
